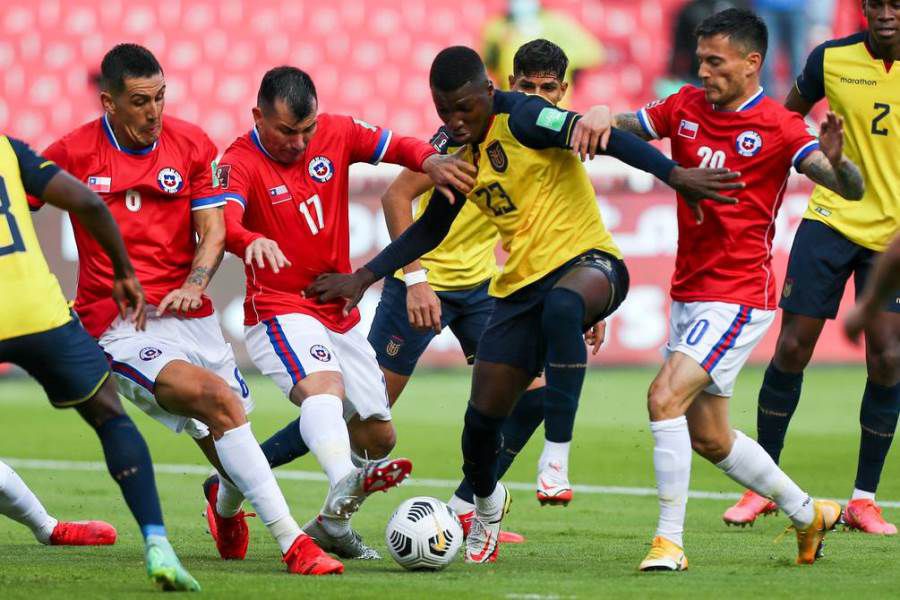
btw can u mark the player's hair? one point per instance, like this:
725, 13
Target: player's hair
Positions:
454, 67
742, 27
126, 61
293, 86
540, 56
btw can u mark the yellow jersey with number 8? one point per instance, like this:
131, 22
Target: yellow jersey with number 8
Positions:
31, 300
865, 91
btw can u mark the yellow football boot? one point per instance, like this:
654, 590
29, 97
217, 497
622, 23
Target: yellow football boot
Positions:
811, 539
664, 555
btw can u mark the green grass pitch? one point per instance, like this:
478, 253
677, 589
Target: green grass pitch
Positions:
588, 550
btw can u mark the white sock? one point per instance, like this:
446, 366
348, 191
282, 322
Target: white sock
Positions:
248, 468
672, 464
325, 434
460, 506
858, 493
491, 505
555, 452
20, 504
229, 499
753, 468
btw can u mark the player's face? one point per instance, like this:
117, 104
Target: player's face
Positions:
467, 111
884, 20
727, 72
136, 113
283, 135
545, 85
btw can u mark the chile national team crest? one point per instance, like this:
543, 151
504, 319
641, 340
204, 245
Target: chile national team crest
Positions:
170, 180
321, 169
749, 143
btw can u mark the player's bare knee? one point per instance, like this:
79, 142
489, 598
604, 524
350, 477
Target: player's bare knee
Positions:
322, 382
793, 352
712, 448
102, 406
219, 407
662, 403
883, 365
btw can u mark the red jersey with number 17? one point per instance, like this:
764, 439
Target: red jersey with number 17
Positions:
304, 207
728, 257
151, 194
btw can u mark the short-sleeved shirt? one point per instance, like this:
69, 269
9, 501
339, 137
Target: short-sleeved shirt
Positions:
151, 194
728, 257
31, 300
304, 207
865, 91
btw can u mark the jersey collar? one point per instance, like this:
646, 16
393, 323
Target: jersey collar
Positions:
111, 136
867, 42
748, 104
254, 135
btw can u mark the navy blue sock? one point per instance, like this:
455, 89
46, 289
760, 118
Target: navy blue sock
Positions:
561, 323
878, 422
480, 446
778, 399
129, 463
517, 430
285, 445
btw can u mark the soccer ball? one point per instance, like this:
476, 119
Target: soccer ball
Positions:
423, 534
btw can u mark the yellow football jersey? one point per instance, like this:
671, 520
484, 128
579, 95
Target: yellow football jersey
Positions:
866, 93
31, 300
535, 192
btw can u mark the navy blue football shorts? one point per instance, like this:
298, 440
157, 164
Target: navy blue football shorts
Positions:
821, 262
513, 335
398, 346
66, 361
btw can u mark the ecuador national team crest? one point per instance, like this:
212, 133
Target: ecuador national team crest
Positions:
749, 143
497, 156
321, 169
170, 180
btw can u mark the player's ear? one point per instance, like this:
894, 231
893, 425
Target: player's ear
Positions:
490, 87
257, 114
109, 104
512, 81
563, 86
754, 61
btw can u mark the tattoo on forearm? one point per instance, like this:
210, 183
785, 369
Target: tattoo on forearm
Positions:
846, 179
199, 276
629, 122
850, 178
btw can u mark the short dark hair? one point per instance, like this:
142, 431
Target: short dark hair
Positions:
540, 56
290, 84
742, 27
126, 61
454, 67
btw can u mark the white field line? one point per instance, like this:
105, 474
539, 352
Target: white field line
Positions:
172, 469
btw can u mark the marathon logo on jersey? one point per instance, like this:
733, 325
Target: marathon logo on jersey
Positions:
688, 129
320, 352
321, 169
99, 184
497, 156
170, 180
279, 194
749, 143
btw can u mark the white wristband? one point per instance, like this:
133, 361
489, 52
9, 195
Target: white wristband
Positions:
420, 276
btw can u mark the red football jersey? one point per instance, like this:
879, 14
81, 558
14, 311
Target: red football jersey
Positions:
304, 207
151, 194
728, 257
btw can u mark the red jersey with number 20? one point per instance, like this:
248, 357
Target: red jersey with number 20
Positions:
728, 257
151, 194
304, 207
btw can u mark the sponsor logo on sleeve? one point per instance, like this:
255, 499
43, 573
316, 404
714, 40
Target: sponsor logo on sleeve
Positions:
222, 173
321, 169
365, 125
552, 119
170, 180
749, 143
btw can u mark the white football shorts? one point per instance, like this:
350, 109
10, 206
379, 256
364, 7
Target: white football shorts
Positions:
719, 335
139, 356
289, 347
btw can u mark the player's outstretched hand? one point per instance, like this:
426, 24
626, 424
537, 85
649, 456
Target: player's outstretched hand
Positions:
450, 170
591, 133
128, 293
330, 286
595, 337
423, 307
262, 251
831, 138
705, 184
183, 300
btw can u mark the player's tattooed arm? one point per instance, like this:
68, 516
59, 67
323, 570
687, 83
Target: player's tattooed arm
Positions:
629, 122
210, 227
829, 167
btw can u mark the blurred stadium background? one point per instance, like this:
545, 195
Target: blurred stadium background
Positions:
370, 59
